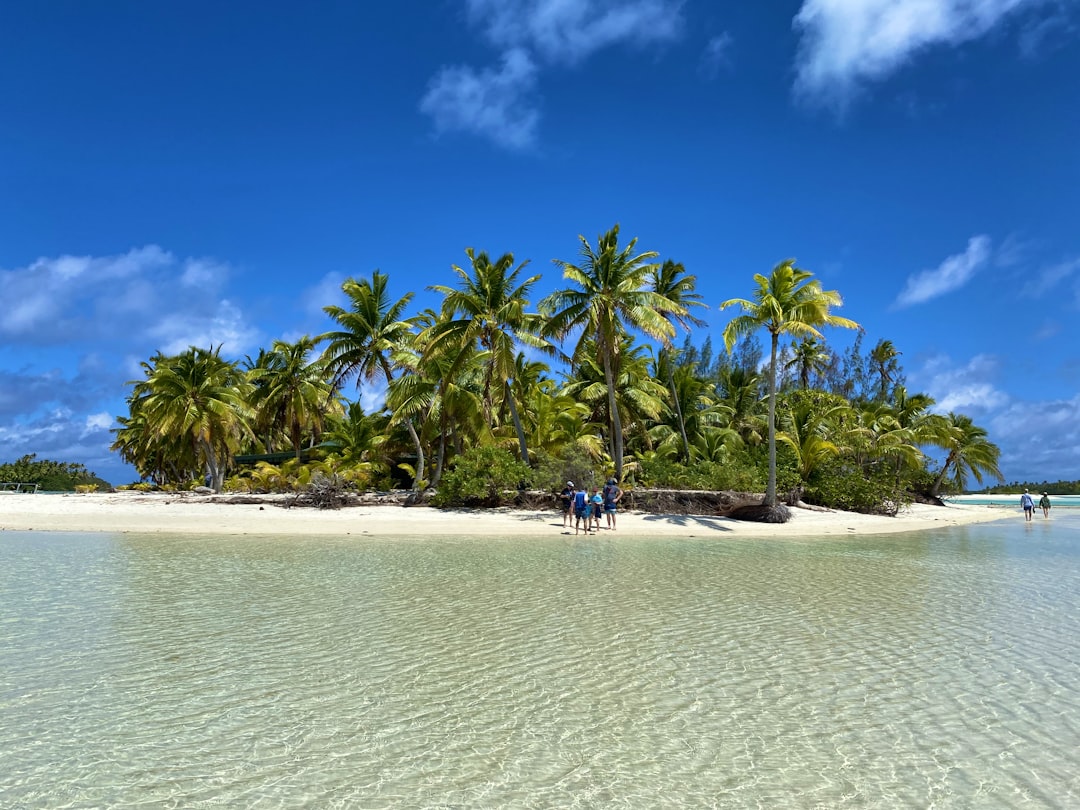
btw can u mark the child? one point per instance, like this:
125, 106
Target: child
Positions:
597, 507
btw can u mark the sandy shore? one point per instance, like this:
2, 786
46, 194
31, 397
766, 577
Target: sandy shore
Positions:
192, 514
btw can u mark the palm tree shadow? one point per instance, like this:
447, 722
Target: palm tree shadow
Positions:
718, 524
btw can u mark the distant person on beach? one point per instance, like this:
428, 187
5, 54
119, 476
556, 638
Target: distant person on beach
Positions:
1028, 503
597, 507
566, 498
612, 494
1044, 502
581, 510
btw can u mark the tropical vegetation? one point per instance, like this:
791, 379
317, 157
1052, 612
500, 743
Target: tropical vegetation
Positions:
50, 476
490, 391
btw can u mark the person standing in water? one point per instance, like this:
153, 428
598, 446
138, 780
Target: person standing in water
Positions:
1028, 503
1044, 502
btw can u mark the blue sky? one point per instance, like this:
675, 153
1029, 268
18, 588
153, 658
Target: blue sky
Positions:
194, 173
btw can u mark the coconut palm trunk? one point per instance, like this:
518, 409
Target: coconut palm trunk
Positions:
512, 404
616, 421
770, 488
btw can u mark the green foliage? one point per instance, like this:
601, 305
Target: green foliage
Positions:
50, 476
480, 476
665, 473
1053, 487
573, 463
847, 487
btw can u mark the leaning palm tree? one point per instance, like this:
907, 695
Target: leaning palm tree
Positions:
786, 302
487, 310
372, 332
611, 294
969, 453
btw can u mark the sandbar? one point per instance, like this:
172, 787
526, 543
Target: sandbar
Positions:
186, 513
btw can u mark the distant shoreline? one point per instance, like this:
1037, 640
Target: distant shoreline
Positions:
184, 513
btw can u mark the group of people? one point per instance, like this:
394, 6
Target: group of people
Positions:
1028, 503
585, 507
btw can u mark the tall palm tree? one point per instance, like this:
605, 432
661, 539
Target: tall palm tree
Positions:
372, 332
611, 294
671, 281
786, 302
969, 453
488, 309
201, 399
291, 390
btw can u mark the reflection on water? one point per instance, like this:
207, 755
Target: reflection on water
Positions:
914, 670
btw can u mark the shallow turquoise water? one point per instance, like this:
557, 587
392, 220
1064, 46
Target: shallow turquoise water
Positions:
934, 669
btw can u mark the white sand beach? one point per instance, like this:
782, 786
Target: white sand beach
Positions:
173, 513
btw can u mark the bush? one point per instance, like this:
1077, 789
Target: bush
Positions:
572, 464
480, 476
848, 487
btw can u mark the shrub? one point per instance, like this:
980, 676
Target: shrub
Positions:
848, 487
480, 476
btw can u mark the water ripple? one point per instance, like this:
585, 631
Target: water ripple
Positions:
930, 670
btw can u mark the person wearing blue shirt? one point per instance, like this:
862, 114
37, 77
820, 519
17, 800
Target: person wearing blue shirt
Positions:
581, 510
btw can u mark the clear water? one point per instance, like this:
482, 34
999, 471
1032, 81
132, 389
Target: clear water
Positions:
925, 670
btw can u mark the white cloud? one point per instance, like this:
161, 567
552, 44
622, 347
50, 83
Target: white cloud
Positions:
98, 421
495, 103
1038, 440
847, 44
499, 103
950, 275
1050, 277
569, 31
963, 389
224, 327
79, 298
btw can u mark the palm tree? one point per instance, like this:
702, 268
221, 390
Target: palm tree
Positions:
611, 294
671, 281
809, 356
969, 453
639, 398
787, 302
492, 304
738, 391
200, 399
365, 348
883, 356
291, 391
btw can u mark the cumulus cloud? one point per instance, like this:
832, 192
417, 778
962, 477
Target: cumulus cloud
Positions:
501, 103
121, 298
963, 388
59, 399
1038, 440
950, 275
495, 103
846, 44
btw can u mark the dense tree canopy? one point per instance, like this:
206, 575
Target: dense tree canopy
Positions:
587, 385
